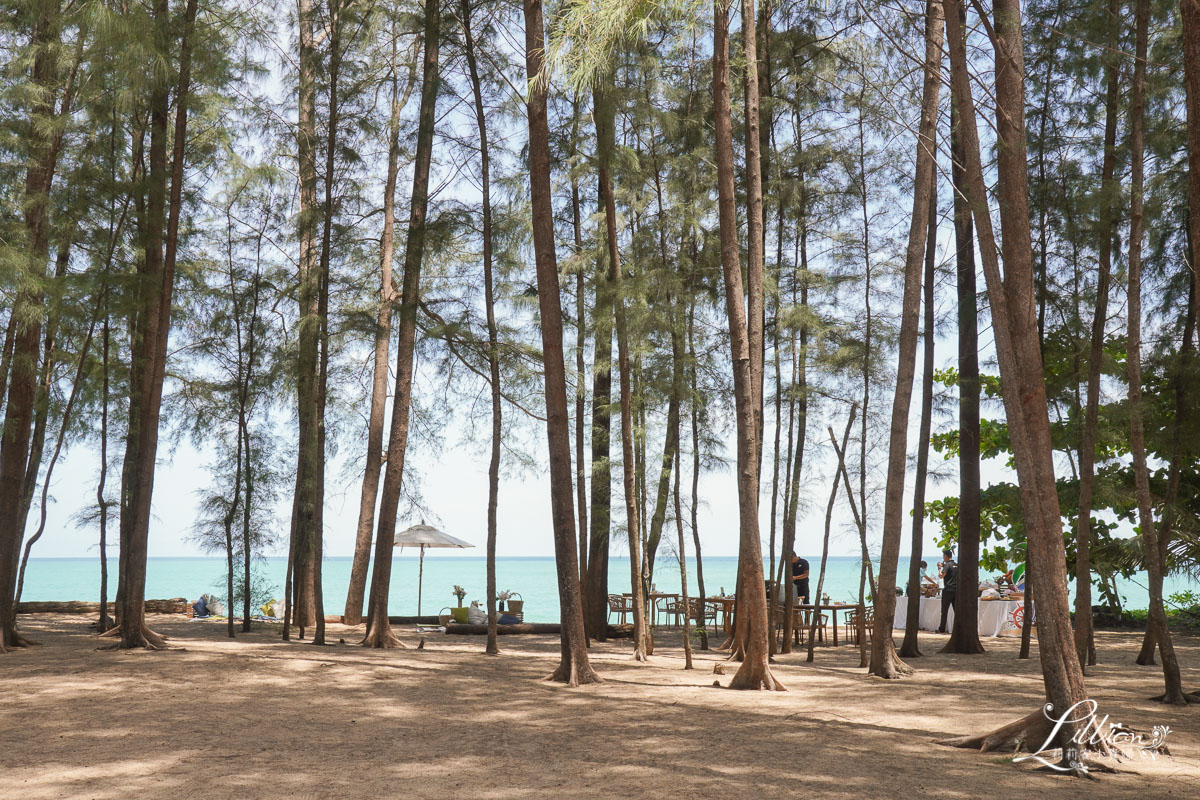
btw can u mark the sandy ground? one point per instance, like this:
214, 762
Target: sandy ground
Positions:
259, 718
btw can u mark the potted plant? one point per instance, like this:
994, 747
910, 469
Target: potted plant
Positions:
459, 612
501, 596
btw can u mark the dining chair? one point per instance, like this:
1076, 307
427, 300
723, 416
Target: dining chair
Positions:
622, 606
701, 611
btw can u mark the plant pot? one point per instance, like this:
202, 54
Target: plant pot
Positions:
516, 606
459, 614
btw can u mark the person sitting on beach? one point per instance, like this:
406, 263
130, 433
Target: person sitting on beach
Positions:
800, 578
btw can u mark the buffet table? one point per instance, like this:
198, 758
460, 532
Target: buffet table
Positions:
996, 617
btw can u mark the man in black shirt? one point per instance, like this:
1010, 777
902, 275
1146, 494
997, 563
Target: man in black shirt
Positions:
948, 572
800, 578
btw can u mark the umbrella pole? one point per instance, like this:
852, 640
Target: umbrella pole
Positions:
420, 578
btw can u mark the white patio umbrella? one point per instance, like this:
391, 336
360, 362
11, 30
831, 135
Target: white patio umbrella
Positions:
423, 536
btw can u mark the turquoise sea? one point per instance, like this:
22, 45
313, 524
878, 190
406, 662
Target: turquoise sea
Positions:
534, 578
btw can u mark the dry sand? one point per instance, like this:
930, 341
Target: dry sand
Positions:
260, 718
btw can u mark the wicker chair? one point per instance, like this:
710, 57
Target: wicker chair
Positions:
852, 623
622, 606
702, 611
671, 607
804, 620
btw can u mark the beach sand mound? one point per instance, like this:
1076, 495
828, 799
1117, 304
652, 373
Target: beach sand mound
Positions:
256, 717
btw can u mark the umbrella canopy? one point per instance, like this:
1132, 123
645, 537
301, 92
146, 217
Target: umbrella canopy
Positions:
423, 535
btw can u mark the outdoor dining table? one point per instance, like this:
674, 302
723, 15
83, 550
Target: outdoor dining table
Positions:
833, 609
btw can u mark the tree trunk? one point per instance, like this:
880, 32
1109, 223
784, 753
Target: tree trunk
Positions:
64, 426
969, 508
493, 348
1137, 436
814, 620
601, 491
755, 230
964, 635
580, 376
1087, 448
379, 384
574, 667
25, 319
800, 388
671, 440
909, 647
1015, 326
695, 415
304, 610
379, 633
101, 500
149, 351
605, 135
884, 661
755, 671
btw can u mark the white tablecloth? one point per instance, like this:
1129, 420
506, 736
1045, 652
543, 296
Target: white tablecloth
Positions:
996, 617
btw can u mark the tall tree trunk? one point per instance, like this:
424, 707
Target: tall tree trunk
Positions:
1190, 19
964, 635
248, 488
884, 661
970, 502
25, 318
574, 667
601, 490
1015, 326
605, 135
799, 388
383, 335
694, 401
1137, 436
490, 305
379, 633
149, 351
755, 230
580, 374
303, 546
814, 620
671, 440
64, 426
909, 647
755, 672
1087, 448
101, 500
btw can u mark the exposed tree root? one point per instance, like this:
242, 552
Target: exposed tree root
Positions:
1015, 735
568, 672
1180, 699
13, 640
893, 668
756, 679
382, 638
1031, 734
145, 638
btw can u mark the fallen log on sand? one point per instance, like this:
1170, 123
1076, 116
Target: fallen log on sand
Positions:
176, 605
425, 619
614, 631
524, 627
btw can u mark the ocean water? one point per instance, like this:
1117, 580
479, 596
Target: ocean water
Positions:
534, 578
